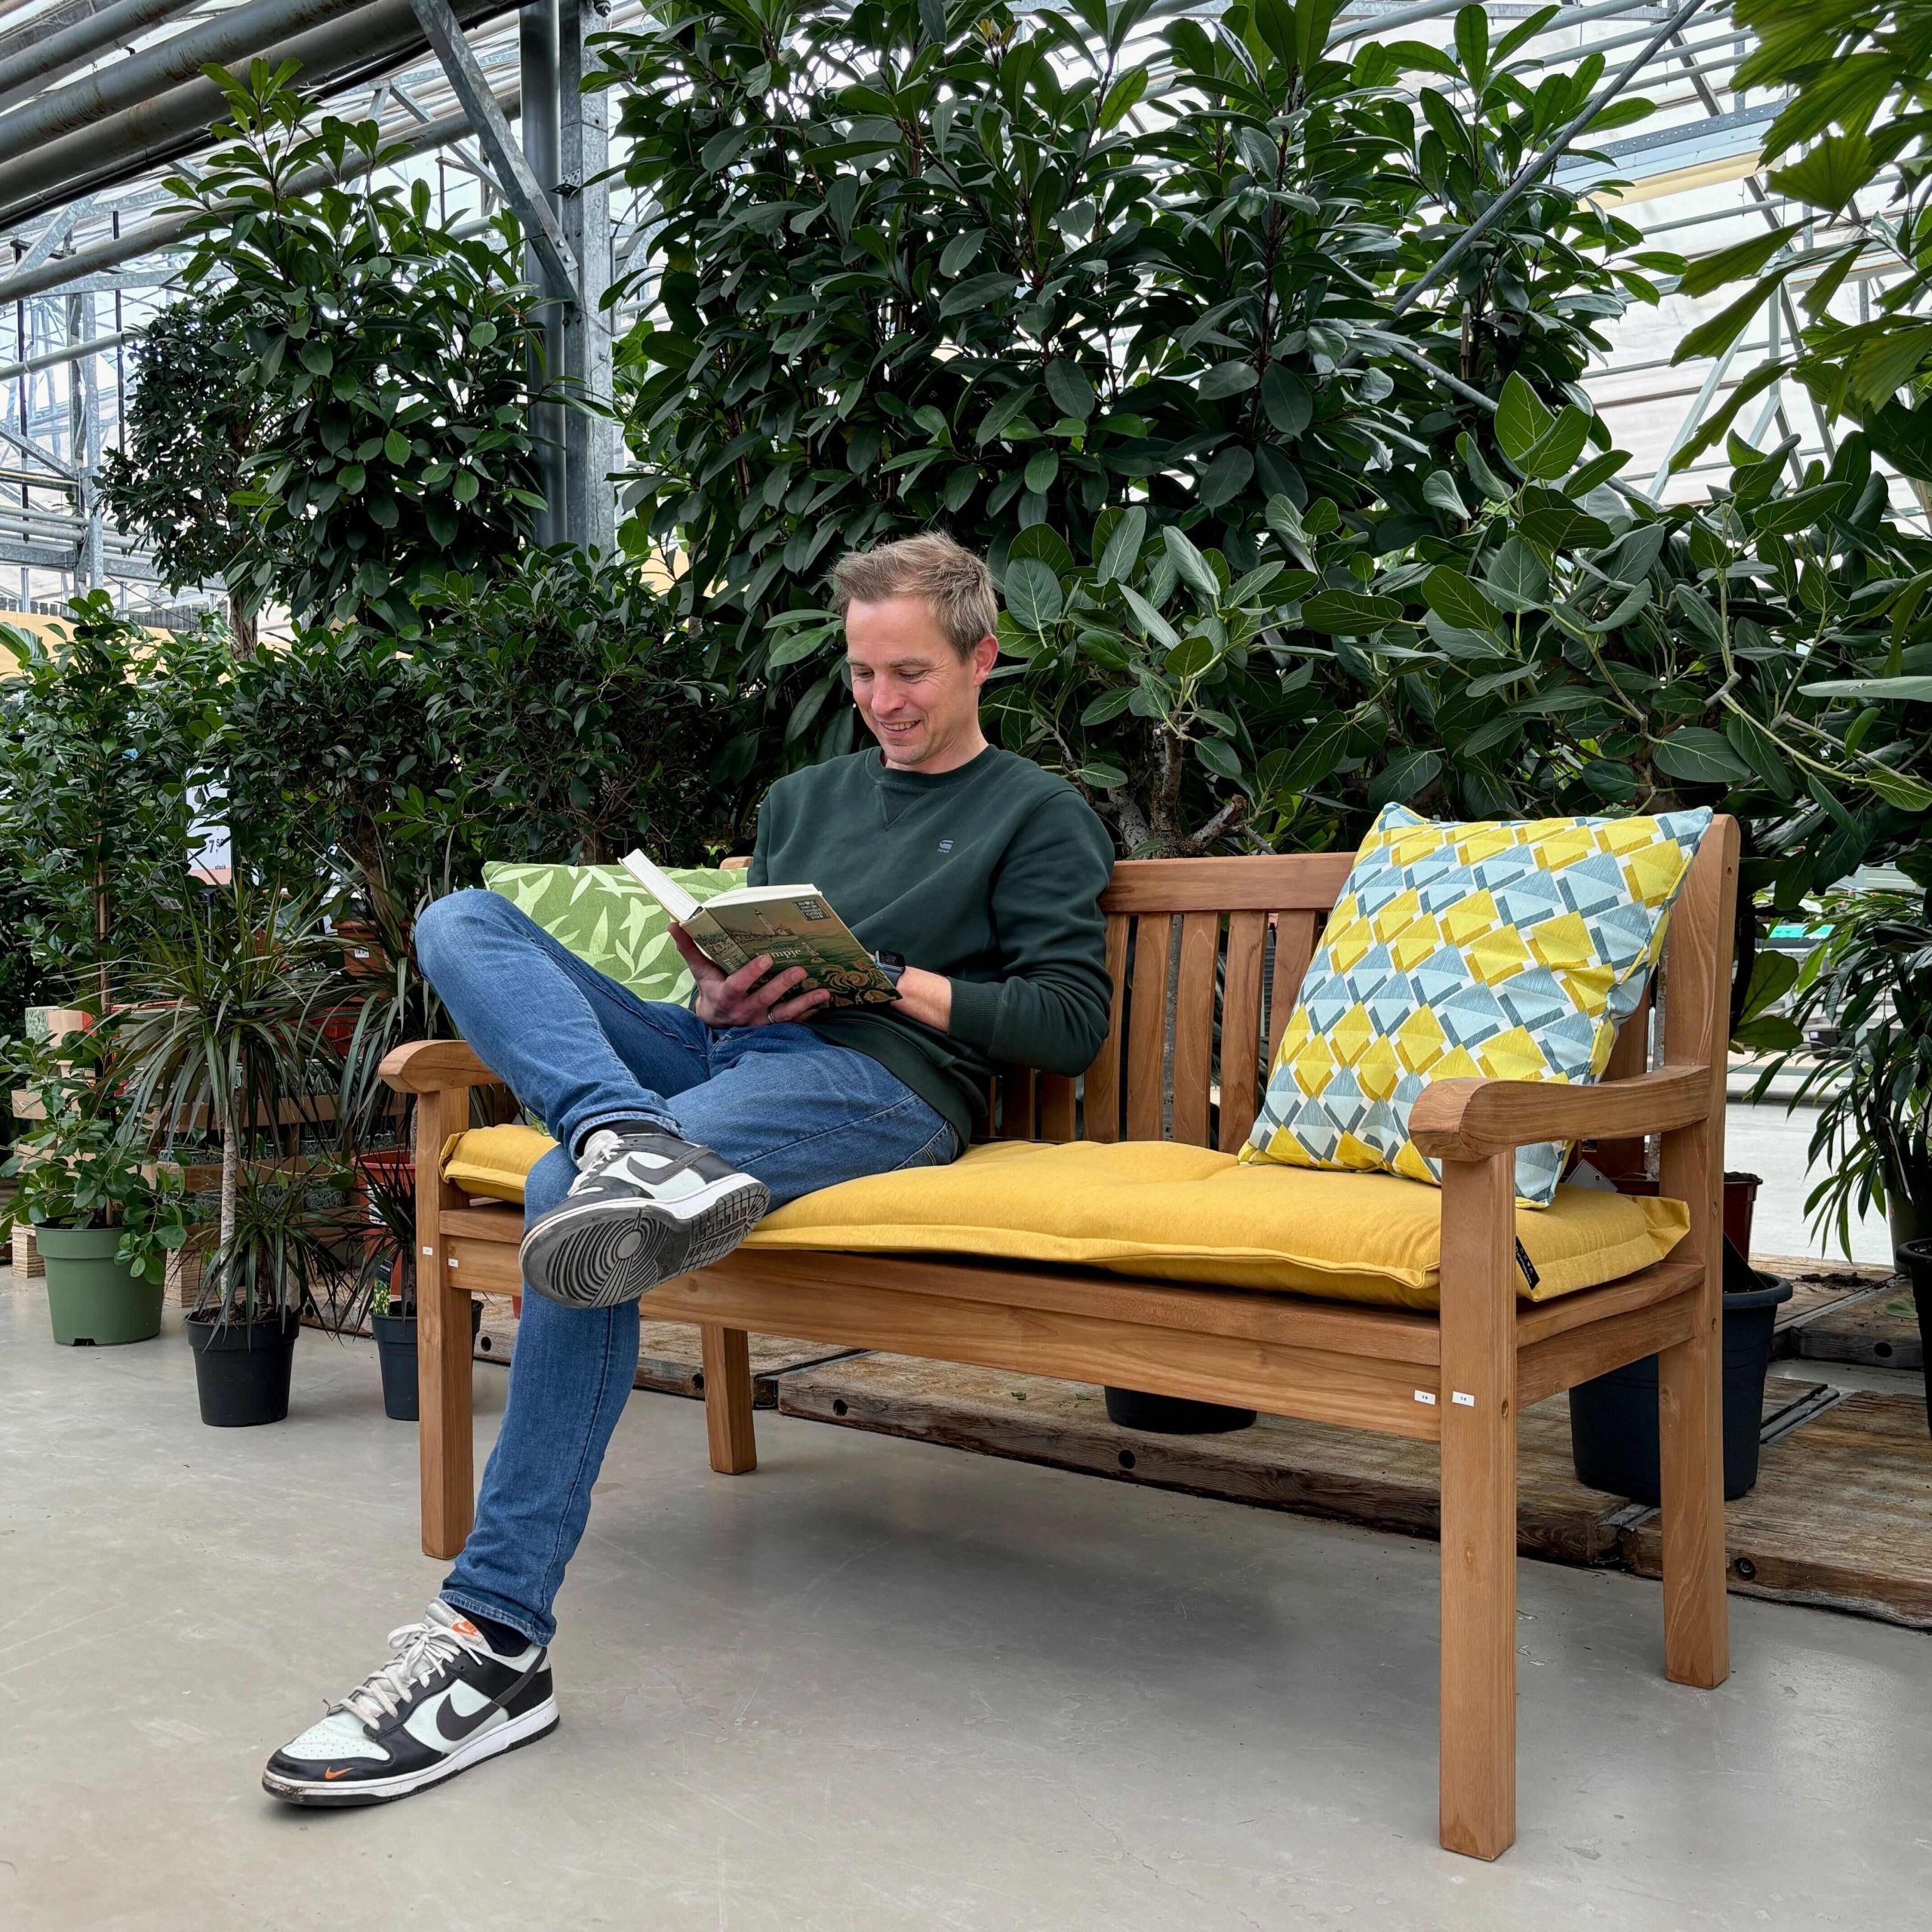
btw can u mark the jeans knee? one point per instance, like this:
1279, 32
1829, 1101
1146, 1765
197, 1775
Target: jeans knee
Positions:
547, 1182
454, 920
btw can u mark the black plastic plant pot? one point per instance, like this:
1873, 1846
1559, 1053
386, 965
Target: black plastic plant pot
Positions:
395, 1353
1173, 1415
1917, 1256
241, 1368
1613, 1417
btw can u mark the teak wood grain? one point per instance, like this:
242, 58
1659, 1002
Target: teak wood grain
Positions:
1188, 944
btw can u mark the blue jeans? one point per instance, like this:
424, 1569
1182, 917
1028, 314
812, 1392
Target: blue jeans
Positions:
578, 1050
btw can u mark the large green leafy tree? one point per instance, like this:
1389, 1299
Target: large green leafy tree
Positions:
194, 424
391, 354
99, 748
1004, 272
1566, 648
560, 711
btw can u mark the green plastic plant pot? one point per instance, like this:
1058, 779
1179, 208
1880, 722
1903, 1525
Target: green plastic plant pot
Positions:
94, 1300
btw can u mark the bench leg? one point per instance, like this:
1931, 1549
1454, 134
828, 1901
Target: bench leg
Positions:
446, 1432
727, 1399
1696, 1615
1478, 1406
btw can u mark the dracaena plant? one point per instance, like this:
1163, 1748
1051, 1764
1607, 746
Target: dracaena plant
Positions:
1871, 981
223, 1034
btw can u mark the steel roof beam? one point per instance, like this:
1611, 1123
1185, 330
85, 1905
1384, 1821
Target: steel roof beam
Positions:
152, 236
358, 46
44, 61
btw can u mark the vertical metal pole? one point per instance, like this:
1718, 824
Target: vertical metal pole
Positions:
87, 458
536, 44
584, 141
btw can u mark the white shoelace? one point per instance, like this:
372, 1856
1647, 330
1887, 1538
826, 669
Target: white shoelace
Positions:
422, 1650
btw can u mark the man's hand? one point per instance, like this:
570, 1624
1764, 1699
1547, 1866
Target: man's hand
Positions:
736, 999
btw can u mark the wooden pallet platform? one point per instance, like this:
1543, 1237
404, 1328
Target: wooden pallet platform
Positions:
1347, 1475
668, 1362
1879, 1327
1817, 1287
1841, 1515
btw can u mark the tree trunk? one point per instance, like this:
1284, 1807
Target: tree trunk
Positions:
241, 621
230, 1175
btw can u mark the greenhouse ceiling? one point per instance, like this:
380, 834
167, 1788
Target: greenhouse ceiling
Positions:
99, 99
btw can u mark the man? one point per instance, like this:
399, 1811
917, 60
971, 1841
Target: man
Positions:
973, 876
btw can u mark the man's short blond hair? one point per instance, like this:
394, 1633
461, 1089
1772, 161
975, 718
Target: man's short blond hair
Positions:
957, 586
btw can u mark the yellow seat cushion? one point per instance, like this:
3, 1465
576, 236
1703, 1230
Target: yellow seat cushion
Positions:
493, 1161
1173, 1212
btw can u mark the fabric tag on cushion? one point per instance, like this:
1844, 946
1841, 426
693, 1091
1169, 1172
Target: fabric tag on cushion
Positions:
1499, 951
603, 915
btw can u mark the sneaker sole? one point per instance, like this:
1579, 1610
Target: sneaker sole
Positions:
537, 1722
604, 1254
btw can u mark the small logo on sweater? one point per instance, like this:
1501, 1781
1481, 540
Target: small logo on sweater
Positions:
946, 844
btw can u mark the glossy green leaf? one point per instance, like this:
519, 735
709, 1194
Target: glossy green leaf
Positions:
1522, 420
1514, 580
1122, 551
1696, 754
1880, 690
1452, 594
1347, 613
1287, 401
1032, 594
1191, 566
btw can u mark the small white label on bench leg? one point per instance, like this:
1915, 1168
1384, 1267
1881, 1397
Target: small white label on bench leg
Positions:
1462, 1401
1426, 1395
429, 1251
452, 1260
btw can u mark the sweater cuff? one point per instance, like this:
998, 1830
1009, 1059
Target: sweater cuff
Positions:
975, 1011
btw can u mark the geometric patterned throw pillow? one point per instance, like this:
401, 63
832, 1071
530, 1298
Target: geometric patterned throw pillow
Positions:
603, 915
1504, 951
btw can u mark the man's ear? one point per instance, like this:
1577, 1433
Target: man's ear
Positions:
985, 654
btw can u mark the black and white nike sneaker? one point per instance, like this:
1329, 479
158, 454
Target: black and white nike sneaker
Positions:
645, 1206
445, 1701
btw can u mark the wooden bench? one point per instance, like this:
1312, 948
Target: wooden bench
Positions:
1459, 1378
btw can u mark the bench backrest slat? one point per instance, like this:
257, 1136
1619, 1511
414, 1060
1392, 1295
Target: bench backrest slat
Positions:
1199, 1005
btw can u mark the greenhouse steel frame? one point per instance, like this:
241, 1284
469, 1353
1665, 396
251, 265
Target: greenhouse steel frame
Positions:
99, 98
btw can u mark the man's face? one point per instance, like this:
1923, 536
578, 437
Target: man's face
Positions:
918, 696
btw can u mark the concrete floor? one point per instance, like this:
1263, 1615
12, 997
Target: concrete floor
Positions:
878, 1683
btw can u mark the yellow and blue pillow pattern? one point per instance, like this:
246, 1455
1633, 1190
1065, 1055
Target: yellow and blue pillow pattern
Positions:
1503, 951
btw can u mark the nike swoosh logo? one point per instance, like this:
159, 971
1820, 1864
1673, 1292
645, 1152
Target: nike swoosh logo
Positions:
331, 1777
453, 1728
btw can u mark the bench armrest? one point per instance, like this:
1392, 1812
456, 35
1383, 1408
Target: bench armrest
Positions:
436, 1066
1470, 1120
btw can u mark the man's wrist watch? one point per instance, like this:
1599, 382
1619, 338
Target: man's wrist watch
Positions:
892, 964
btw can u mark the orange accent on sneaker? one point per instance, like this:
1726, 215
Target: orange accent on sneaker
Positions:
464, 1628
331, 1777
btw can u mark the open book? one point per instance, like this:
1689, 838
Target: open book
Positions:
791, 923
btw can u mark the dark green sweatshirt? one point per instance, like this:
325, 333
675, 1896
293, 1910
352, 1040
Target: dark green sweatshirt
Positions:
990, 874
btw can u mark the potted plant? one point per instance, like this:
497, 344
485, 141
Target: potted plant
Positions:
219, 1035
388, 1186
105, 1226
290, 1237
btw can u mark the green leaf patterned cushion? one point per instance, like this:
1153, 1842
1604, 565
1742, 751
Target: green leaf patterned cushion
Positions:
604, 916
